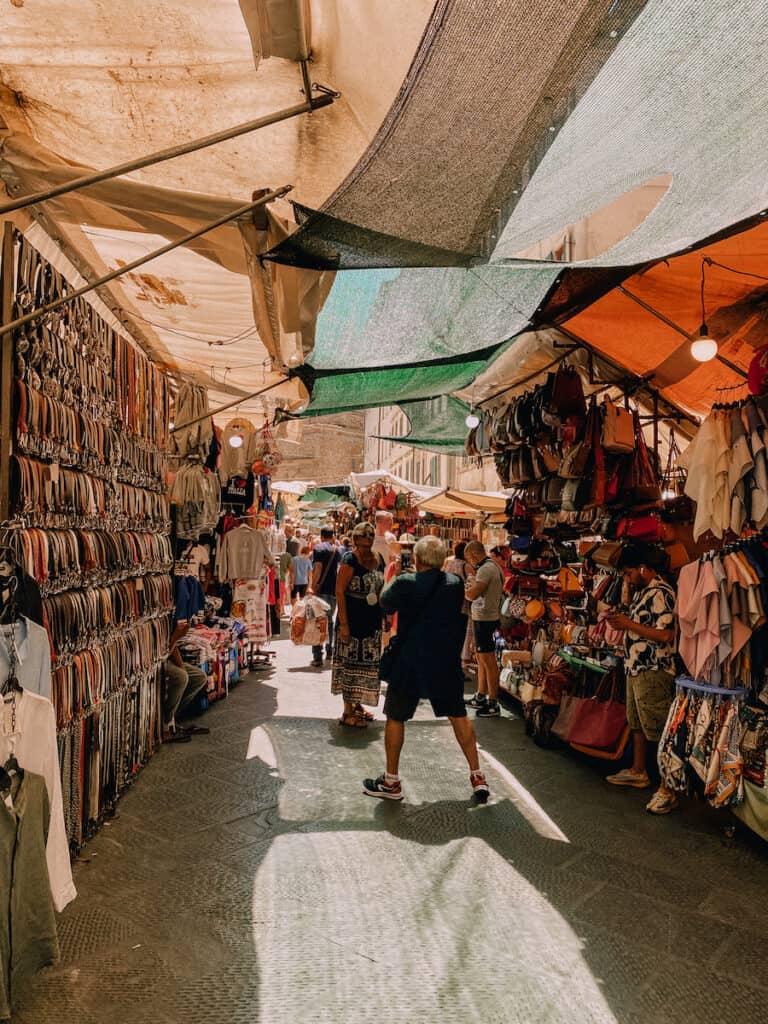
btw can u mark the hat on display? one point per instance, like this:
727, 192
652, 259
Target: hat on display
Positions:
535, 610
406, 538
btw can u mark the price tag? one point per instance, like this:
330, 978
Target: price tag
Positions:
139, 583
54, 468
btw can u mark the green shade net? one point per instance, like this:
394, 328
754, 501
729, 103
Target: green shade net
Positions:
435, 426
386, 337
318, 496
345, 392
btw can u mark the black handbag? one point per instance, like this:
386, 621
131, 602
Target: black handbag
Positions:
392, 653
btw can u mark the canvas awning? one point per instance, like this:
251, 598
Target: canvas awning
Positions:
92, 86
452, 502
361, 481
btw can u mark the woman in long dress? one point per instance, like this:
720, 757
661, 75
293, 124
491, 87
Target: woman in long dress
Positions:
357, 651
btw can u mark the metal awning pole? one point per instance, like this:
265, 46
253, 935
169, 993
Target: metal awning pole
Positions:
229, 405
49, 307
324, 99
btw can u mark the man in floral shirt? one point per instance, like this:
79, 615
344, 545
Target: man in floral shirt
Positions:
649, 663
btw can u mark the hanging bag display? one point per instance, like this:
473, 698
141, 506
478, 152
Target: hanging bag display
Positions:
640, 485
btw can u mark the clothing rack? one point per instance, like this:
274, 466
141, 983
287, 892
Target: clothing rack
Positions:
686, 683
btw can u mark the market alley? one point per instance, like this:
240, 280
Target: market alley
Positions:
246, 878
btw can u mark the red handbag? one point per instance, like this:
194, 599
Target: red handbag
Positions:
644, 528
567, 393
598, 723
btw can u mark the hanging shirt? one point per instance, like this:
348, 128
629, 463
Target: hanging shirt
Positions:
28, 924
33, 652
36, 751
243, 554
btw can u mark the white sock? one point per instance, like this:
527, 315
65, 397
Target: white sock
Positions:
391, 778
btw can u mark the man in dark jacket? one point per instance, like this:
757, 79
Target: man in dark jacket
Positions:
431, 629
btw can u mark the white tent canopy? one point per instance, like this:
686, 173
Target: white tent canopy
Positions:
360, 481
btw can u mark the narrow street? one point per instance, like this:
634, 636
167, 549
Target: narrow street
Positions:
247, 880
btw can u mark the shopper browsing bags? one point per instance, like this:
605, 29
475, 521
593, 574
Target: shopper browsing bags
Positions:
649, 664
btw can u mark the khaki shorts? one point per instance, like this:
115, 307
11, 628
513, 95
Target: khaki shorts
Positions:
649, 696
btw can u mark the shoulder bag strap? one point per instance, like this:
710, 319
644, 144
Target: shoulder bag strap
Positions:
334, 554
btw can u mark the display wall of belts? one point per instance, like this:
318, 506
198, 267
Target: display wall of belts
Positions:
89, 522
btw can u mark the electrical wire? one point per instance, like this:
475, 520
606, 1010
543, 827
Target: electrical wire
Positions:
733, 270
252, 331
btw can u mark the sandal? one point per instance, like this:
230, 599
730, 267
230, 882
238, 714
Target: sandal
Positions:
362, 713
353, 722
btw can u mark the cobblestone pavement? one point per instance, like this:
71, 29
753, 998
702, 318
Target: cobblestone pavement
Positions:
247, 880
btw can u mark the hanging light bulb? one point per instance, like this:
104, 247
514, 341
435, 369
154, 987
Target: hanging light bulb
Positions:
472, 420
236, 441
703, 348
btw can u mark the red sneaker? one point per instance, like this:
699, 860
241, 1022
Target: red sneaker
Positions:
381, 788
480, 790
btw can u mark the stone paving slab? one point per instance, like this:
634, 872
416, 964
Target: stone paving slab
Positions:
247, 880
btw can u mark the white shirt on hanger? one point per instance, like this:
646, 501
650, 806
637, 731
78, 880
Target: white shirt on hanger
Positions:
37, 752
34, 656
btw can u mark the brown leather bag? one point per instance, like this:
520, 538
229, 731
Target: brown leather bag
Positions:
618, 434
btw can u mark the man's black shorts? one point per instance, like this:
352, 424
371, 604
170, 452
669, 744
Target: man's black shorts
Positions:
483, 631
402, 706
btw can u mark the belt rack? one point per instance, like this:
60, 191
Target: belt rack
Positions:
84, 420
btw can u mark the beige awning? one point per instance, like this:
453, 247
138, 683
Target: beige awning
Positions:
451, 502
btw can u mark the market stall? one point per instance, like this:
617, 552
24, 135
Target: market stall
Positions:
600, 481
458, 515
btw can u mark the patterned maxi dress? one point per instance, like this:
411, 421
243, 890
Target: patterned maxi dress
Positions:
356, 663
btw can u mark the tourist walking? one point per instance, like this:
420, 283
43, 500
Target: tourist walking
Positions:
326, 557
357, 649
427, 663
485, 589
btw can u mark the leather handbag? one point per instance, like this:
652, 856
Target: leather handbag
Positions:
510, 659
678, 507
600, 720
530, 690
562, 724
640, 484
552, 496
567, 393
607, 554
618, 429
646, 528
